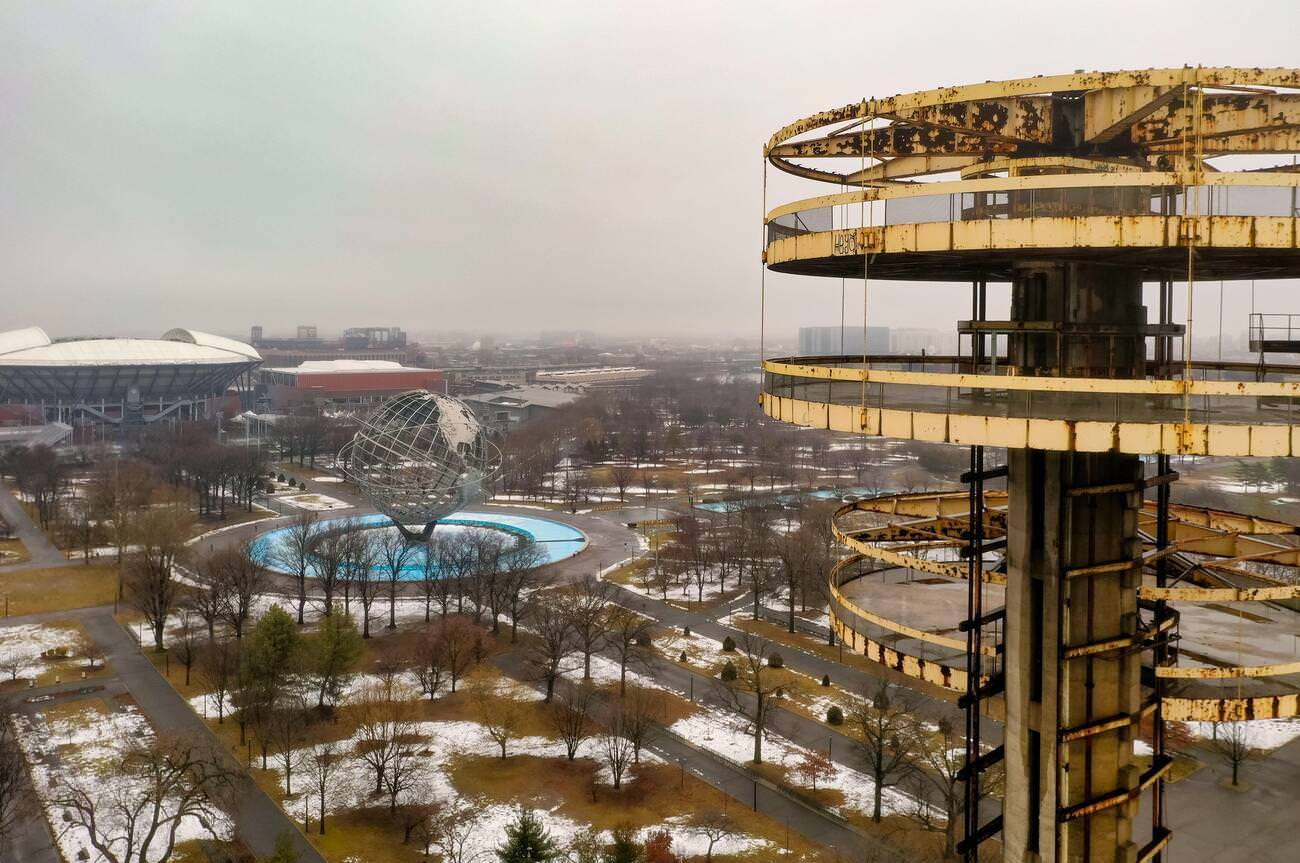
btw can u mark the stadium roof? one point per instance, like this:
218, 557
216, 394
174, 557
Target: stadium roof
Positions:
33, 347
182, 364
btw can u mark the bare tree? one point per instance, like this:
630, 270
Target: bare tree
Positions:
359, 573
1232, 741
382, 728
431, 661
499, 715
586, 609
554, 643
570, 716
622, 475
795, 550
186, 646
294, 553
641, 711
218, 665
328, 560
393, 553
14, 796
241, 578
521, 575
628, 634
750, 694
937, 789
407, 782
462, 643
172, 780
150, 583
616, 748
452, 827
16, 659
205, 594
323, 762
392, 662
885, 729
285, 728
715, 826
454, 556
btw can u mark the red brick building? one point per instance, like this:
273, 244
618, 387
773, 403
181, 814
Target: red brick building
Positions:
341, 384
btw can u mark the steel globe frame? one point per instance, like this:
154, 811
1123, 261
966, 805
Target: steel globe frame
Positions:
420, 457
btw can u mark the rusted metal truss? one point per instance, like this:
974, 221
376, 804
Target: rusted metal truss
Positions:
1138, 117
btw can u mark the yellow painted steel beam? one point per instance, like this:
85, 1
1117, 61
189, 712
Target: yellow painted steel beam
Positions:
1280, 706
1024, 119
936, 673
1056, 234
1227, 672
1221, 117
1111, 112
903, 167
892, 141
1111, 386
1061, 435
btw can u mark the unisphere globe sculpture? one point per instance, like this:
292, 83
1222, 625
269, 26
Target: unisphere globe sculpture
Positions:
420, 457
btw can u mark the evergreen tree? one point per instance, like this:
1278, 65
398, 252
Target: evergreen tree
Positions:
274, 646
332, 656
624, 848
527, 841
284, 850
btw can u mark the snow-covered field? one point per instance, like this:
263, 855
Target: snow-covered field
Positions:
315, 502
731, 737
1263, 734
88, 749
23, 649
448, 740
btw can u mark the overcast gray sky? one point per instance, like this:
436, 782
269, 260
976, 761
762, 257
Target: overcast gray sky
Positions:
479, 166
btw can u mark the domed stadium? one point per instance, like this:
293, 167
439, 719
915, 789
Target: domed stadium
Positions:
419, 458
119, 381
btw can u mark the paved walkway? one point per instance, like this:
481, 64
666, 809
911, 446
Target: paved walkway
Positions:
39, 548
258, 820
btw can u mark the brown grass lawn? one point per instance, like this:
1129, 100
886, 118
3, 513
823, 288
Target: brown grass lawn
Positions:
363, 835
653, 793
57, 588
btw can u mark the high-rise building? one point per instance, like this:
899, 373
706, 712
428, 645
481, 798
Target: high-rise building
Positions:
819, 341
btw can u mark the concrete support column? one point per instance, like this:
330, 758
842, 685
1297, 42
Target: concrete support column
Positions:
1052, 608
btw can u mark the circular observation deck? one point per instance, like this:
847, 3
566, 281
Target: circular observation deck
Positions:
1237, 589
952, 400
967, 182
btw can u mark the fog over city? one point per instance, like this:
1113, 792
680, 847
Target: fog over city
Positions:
485, 166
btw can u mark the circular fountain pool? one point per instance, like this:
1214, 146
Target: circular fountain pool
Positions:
556, 540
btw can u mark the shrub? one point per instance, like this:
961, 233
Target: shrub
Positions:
826, 680
834, 715
728, 644
280, 478
728, 672
775, 660
643, 640
686, 630
682, 658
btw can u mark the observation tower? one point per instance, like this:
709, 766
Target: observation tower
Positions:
1097, 197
